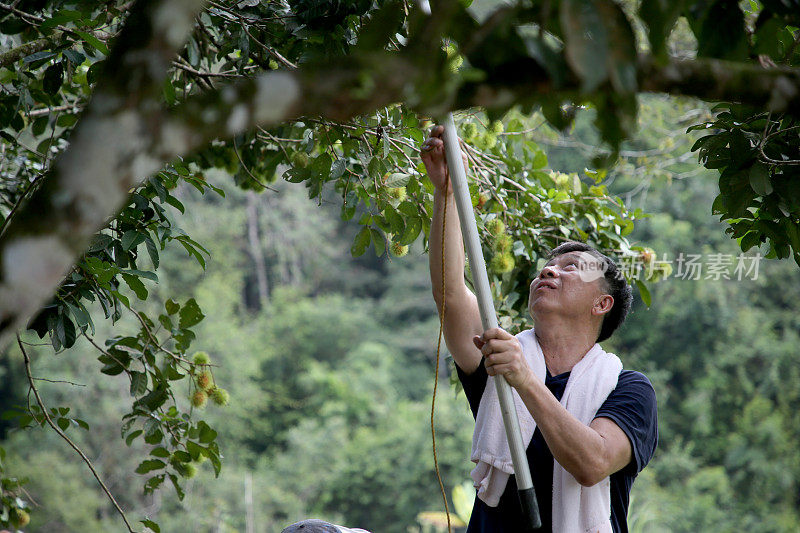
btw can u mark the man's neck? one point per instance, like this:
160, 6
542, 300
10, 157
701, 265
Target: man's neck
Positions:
563, 344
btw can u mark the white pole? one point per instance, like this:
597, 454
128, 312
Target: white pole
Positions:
469, 230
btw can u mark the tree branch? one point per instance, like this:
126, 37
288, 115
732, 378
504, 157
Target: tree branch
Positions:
64, 436
775, 89
23, 50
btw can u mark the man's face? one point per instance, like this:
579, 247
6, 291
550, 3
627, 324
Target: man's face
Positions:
569, 283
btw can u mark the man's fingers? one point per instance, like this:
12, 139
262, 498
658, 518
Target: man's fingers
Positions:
497, 333
491, 346
499, 369
477, 341
431, 144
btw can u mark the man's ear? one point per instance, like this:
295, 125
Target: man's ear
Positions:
603, 304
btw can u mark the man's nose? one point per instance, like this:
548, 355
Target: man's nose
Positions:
548, 272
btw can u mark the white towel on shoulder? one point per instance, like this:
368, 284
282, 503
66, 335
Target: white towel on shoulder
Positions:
575, 508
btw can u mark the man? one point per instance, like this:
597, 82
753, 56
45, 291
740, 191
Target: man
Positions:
586, 447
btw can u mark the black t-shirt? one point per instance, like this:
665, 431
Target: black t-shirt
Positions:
631, 405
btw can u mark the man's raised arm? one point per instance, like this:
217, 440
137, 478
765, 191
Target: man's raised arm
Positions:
462, 319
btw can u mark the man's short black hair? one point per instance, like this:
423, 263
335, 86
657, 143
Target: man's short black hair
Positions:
616, 285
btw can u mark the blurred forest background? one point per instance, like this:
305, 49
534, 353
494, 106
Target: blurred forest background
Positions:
330, 371
329, 362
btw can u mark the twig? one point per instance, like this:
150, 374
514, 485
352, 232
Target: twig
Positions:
768, 159
274, 53
60, 381
192, 70
64, 436
276, 141
48, 110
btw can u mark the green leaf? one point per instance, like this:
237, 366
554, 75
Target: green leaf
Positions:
63, 423
296, 175
165, 321
643, 292
39, 125
396, 222
397, 179
169, 92
140, 273
338, 168
94, 41
361, 242
190, 314
100, 242
152, 250
792, 232
131, 436
149, 465
53, 78
74, 57
539, 160
207, 434
750, 239
195, 450
759, 179
66, 121
61, 17
138, 383
160, 451
151, 525
136, 286
171, 306
132, 238
176, 484
214, 457
154, 399
94, 70
321, 166
44, 54
413, 228
379, 241
70, 335
174, 202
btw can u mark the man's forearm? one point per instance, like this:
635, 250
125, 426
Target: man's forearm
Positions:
453, 247
577, 447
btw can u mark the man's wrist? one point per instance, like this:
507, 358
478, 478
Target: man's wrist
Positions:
529, 385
